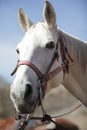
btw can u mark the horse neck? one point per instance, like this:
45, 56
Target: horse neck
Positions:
76, 80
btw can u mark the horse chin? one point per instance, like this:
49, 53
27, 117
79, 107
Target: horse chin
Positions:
27, 107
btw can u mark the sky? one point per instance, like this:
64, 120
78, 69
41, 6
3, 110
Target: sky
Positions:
71, 17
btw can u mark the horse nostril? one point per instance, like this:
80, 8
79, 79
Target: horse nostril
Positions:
28, 91
13, 96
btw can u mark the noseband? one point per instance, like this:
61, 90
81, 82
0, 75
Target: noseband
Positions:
44, 78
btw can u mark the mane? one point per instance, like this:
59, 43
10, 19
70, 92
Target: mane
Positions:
78, 48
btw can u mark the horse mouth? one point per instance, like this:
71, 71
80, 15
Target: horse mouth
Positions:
27, 107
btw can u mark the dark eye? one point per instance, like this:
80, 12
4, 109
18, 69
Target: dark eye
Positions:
17, 50
50, 45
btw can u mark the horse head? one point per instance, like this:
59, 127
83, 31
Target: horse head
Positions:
35, 55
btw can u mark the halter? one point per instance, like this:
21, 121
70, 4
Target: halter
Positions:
44, 78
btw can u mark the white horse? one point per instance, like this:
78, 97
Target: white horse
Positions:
36, 52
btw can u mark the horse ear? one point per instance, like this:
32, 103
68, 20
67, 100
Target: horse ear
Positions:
49, 14
25, 23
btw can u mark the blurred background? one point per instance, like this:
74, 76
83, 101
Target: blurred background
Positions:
71, 17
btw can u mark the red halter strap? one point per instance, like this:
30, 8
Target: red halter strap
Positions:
46, 76
29, 64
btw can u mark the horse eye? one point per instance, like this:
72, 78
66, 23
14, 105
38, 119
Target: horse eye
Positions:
50, 45
17, 50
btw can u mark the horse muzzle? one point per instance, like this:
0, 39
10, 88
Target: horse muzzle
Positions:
24, 98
